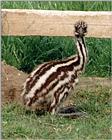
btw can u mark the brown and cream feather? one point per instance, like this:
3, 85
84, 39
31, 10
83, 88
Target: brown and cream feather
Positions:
51, 83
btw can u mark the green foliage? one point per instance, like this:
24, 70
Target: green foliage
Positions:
58, 5
99, 63
16, 123
27, 52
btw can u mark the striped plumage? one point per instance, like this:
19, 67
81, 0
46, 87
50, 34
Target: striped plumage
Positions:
48, 85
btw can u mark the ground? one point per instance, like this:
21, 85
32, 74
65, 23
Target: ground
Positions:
92, 95
12, 81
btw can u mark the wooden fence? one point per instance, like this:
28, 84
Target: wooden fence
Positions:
18, 22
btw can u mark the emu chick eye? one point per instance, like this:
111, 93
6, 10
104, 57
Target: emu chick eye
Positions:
85, 29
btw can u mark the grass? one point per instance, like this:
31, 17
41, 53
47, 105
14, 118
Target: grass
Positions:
27, 52
18, 124
58, 5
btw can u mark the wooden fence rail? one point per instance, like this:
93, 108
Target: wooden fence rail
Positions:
18, 22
